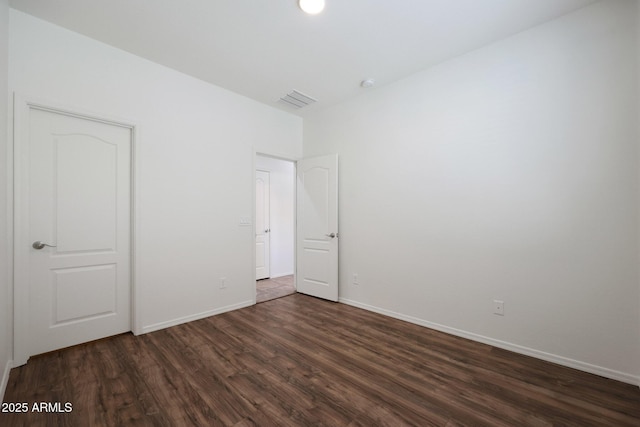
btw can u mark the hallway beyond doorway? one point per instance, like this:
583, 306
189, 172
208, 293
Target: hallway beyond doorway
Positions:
278, 287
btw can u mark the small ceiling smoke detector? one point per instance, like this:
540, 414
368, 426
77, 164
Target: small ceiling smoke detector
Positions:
312, 7
367, 83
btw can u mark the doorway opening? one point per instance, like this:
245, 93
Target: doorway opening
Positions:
274, 228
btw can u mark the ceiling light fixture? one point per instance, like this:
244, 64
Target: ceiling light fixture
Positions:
367, 83
312, 7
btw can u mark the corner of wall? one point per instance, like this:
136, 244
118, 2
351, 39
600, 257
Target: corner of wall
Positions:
5, 226
637, 27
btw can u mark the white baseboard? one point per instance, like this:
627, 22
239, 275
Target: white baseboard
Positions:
560, 360
5, 379
275, 276
198, 316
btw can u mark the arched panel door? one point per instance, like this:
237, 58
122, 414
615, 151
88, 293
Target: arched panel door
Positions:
317, 227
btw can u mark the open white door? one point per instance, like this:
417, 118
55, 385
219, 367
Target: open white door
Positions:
263, 246
317, 227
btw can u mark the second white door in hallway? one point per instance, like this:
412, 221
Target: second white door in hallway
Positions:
263, 249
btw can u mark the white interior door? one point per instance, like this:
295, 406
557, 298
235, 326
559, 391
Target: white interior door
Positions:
76, 186
317, 227
263, 247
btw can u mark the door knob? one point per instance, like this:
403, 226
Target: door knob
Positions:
39, 245
332, 235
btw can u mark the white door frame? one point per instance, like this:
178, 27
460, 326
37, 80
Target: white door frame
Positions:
21, 315
253, 214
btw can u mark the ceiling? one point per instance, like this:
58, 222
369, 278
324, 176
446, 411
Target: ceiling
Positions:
263, 49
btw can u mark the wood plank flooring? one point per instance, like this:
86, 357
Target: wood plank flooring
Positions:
300, 361
278, 287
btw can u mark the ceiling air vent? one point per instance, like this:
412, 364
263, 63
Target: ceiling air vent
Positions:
295, 99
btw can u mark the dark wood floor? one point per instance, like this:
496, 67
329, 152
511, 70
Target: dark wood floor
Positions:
278, 287
300, 361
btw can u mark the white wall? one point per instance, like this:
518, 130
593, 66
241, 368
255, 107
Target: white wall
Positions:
194, 163
508, 173
5, 293
281, 173
638, 121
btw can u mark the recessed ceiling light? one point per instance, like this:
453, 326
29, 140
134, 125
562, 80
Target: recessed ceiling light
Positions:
312, 7
368, 83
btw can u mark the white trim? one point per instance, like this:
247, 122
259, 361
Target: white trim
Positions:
5, 379
198, 316
560, 360
19, 209
136, 320
275, 276
286, 158
254, 292
10, 330
20, 295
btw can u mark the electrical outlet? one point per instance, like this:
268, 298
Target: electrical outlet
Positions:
498, 307
355, 279
223, 282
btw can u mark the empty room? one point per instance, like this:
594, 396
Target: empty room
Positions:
442, 199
